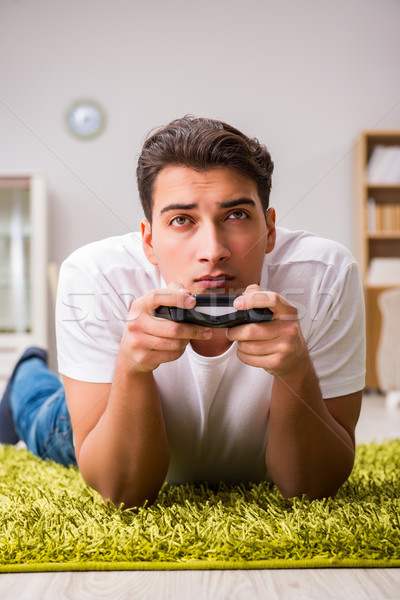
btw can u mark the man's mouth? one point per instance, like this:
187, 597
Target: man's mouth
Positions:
215, 281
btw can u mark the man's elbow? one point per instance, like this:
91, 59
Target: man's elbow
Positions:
311, 492
129, 499
127, 493
314, 490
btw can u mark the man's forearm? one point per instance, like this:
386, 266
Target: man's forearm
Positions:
125, 457
308, 451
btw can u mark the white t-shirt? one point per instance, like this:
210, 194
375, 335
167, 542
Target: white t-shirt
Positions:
216, 409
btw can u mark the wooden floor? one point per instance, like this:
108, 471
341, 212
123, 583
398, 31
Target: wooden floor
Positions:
376, 422
319, 584
335, 584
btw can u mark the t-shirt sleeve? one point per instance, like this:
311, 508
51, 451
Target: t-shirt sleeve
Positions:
90, 319
337, 335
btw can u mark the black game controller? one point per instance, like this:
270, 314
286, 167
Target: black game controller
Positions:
214, 310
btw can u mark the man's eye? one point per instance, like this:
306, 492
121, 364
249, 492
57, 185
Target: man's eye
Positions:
179, 221
238, 215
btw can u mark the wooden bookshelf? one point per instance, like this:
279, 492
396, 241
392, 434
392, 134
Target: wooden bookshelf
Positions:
377, 226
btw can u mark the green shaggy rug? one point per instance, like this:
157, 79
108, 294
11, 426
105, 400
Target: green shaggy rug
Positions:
51, 521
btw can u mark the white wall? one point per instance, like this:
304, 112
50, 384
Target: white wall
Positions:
304, 76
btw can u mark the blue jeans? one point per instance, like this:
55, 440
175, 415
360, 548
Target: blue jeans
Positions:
40, 412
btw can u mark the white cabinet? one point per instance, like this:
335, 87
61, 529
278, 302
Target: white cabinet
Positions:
23, 266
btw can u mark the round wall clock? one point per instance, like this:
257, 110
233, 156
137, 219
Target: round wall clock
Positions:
85, 119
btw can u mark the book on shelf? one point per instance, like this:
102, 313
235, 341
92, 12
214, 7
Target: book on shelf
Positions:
384, 165
384, 272
383, 218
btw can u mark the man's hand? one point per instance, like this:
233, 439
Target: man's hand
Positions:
148, 340
277, 346
310, 447
120, 436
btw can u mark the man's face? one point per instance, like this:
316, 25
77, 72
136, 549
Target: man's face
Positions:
209, 230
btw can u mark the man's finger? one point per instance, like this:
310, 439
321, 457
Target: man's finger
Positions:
264, 299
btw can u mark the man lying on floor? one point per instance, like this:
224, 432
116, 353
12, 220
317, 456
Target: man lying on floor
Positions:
150, 399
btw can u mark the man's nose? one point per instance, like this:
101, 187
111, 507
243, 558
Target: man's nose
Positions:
213, 246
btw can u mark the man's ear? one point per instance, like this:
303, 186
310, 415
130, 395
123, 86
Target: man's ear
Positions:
147, 242
271, 230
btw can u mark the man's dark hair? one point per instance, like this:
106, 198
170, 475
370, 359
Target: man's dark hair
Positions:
202, 144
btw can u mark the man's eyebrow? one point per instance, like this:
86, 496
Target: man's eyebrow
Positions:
227, 204
239, 202
178, 207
